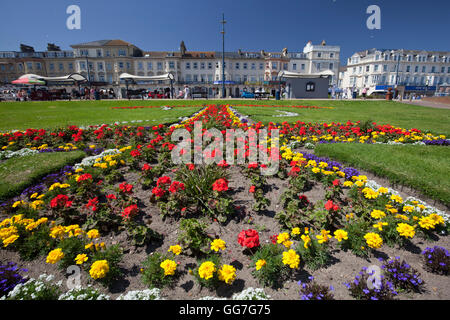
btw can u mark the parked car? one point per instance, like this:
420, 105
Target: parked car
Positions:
248, 95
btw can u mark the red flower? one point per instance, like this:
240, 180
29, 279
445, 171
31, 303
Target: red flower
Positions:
60, 201
220, 185
274, 238
294, 171
330, 206
158, 192
253, 165
111, 196
146, 167
135, 153
130, 211
92, 204
84, 177
223, 164
249, 238
163, 181
252, 189
176, 186
126, 188
190, 166
336, 182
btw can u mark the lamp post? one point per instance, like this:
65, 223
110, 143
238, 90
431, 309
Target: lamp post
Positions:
88, 71
223, 55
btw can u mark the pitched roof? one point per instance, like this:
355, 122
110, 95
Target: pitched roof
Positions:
103, 43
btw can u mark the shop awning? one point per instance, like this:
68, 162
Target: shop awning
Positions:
162, 77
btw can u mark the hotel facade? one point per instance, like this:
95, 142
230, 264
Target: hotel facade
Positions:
415, 71
104, 61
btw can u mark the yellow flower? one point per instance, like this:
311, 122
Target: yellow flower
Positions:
315, 170
93, 234
383, 190
324, 236
218, 244
341, 235
380, 225
359, 183
260, 263
57, 232
175, 249
54, 256
169, 267
437, 218
206, 270
377, 214
99, 269
295, 231
408, 208
405, 230
306, 241
9, 240
427, 222
81, 258
34, 195
348, 184
396, 198
227, 274
373, 240
370, 194
291, 259
282, 237
89, 246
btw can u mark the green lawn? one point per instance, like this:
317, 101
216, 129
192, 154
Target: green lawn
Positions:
23, 115
47, 115
398, 114
16, 174
423, 168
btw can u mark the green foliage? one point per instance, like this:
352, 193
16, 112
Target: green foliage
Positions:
316, 255
31, 245
113, 255
274, 272
153, 275
193, 236
214, 281
71, 247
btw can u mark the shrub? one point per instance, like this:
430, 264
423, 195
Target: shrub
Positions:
113, 256
313, 253
206, 273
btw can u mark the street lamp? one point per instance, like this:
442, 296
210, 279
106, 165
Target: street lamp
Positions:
223, 55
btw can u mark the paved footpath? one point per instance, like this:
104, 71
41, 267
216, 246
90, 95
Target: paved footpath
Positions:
430, 104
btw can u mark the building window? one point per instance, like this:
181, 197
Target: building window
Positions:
303, 66
416, 69
274, 65
149, 66
108, 54
319, 54
202, 65
195, 65
188, 78
61, 67
331, 55
140, 66
237, 65
128, 65
84, 53
52, 66
171, 64
424, 68
209, 65
122, 53
121, 65
195, 78
433, 69
253, 66
294, 66
310, 87
160, 66
108, 66
331, 66
245, 66
261, 66
285, 66
99, 53
318, 66
375, 68
38, 66
100, 66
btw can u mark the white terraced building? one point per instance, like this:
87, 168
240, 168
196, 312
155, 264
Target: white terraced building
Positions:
417, 71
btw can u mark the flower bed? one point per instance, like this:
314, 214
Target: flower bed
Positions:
224, 228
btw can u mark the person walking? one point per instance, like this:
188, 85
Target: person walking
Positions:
364, 93
186, 92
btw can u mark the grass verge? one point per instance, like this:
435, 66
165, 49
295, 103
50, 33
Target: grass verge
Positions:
423, 168
19, 173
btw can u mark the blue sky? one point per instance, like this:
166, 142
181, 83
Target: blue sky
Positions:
252, 24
